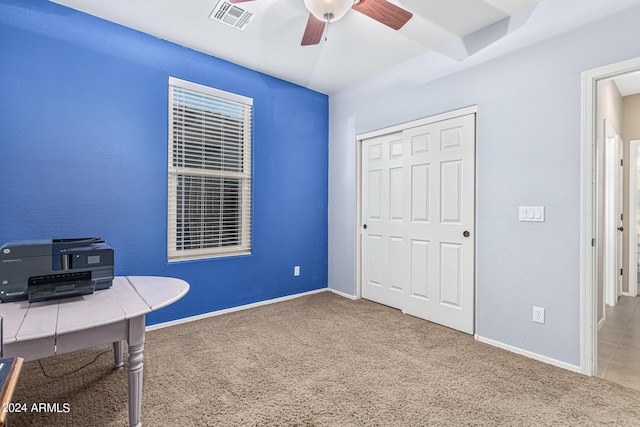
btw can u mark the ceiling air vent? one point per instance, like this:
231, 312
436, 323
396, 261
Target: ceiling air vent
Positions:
231, 15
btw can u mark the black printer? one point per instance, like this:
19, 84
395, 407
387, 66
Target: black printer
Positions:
46, 269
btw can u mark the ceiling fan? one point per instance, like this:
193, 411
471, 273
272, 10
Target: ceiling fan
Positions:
323, 12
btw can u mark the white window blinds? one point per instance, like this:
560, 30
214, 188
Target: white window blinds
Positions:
209, 209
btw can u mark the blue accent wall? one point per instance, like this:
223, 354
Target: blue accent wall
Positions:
83, 152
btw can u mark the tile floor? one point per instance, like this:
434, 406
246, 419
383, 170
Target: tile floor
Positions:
619, 343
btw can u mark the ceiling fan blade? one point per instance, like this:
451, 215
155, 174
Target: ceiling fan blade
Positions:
313, 32
384, 12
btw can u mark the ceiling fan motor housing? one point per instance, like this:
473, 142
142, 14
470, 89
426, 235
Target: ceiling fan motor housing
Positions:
328, 10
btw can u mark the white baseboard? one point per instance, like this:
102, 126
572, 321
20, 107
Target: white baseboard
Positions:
529, 354
343, 294
231, 310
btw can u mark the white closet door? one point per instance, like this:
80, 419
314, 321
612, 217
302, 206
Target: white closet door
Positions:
385, 266
418, 206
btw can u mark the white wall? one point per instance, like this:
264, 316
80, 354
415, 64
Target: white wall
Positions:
528, 153
631, 118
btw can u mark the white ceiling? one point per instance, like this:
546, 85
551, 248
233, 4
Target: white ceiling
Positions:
628, 84
357, 47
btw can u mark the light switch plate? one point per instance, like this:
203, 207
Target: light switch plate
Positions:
531, 214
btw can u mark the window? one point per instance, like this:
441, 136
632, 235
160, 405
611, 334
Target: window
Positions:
209, 209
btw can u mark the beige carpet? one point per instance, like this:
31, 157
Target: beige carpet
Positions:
322, 360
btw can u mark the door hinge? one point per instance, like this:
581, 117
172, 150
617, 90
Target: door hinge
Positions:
621, 217
621, 272
621, 162
593, 242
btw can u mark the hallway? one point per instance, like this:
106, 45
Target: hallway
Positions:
619, 343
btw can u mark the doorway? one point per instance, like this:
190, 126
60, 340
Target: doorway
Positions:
602, 231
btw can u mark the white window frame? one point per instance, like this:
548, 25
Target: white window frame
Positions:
177, 250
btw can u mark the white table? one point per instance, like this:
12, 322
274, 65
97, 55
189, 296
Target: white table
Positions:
43, 329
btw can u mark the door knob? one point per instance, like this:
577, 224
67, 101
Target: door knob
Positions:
364, 226
620, 228
466, 233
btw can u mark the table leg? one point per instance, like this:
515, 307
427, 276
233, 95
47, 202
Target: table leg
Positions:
118, 358
136, 346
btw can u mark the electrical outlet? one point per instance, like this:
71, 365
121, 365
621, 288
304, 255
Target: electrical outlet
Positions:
296, 270
538, 314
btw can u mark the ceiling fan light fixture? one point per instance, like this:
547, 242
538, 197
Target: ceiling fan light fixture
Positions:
328, 10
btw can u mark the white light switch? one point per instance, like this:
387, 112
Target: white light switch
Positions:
531, 214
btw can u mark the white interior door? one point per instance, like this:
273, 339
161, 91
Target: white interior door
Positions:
613, 228
383, 260
418, 221
619, 211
